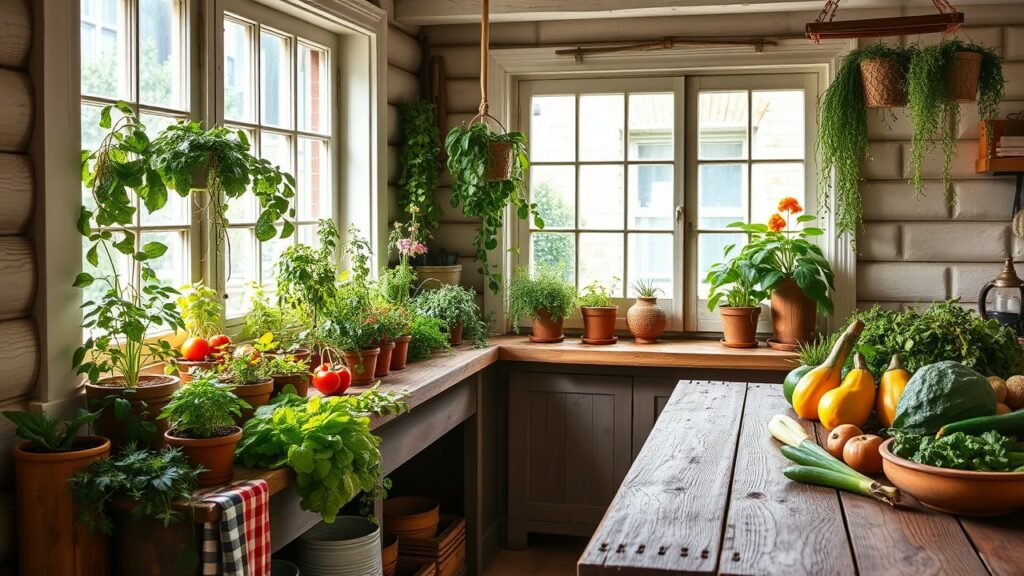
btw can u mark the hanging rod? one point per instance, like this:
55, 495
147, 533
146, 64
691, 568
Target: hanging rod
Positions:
663, 44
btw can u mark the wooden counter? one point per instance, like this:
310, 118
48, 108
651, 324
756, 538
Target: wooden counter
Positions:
706, 495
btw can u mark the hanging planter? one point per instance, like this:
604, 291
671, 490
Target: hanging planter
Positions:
885, 81
500, 168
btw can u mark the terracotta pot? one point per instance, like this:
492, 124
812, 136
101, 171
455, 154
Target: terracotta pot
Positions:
49, 539
384, 360
545, 329
646, 320
299, 381
962, 75
389, 553
256, 395
884, 83
147, 399
739, 325
599, 323
216, 454
793, 313
500, 167
186, 368
363, 364
412, 516
455, 335
400, 355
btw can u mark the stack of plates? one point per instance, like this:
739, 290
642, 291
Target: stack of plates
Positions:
349, 547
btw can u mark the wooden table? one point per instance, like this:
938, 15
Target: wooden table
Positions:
706, 495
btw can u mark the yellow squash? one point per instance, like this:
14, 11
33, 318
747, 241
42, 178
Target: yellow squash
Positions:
813, 385
852, 401
890, 388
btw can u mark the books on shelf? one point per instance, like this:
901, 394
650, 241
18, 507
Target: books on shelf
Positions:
1010, 147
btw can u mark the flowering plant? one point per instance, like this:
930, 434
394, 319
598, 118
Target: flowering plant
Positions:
406, 238
779, 251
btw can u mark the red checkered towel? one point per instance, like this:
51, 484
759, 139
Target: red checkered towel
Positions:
239, 543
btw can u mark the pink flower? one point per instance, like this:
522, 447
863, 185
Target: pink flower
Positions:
410, 247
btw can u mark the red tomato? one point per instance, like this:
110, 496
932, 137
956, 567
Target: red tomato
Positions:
195, 349
346, 379
326, 380
219, 342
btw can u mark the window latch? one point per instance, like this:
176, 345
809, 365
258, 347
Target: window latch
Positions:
680, 213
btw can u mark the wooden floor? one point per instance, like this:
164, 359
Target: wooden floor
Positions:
546, 556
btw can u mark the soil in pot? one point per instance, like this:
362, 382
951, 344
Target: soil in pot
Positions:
646, 320
363, 364
50, 541
739, 325
216, 454
384, 360
147, 400
546, 330
299, 381
793, 313
599, 324
400, 355
256, 394
455, 335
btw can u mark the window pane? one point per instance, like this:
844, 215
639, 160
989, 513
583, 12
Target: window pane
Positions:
242, 269
313, 85
104, 269
242, 210
650, 126
602, 200
275, 80
307, 235
162, 60
778, 124
553, 128
270, 253
553, 189
709, 251
650, 259
314, 180
773, 182
601, 260
722, 125
156, 123
104, 54
722, 193
276, 148
171, 267
553, 250
176, 212
601, 127
651, 197
239, 94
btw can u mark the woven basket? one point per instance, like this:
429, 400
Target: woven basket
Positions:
962, 76
501, 162
885, 83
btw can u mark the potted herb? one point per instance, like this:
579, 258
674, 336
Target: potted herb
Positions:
203, 418
872, 77
488, 173
249, 372
201, 314
735, 280
51, 453
350, 329
599, 314
287, 370
645, 319
282, 323
456, 307
306, 276
545, 297
940, 78
429, 335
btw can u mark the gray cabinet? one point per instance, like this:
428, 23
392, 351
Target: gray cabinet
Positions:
649, 398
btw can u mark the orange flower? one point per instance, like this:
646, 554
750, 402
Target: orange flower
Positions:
790, 204
776, 223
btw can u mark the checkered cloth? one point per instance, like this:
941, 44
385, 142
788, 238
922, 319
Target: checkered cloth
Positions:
239, 544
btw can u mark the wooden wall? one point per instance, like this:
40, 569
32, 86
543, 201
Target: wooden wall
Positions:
19, 346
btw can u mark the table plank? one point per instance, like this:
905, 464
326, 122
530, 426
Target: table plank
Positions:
906, 539
999, 541
775, 525
669, 513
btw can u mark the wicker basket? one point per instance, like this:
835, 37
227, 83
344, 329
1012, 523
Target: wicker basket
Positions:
962, 76
501, 162
885, 83
434, 277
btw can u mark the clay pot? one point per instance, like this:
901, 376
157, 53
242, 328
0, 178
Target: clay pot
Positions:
256, 394
49, 539
389, 553
646, 320
546, 330
299, 381
384, 360
147, 400
400, 355
455, 335
216, 454
962, 75
363, 364
186, 368
793, 313
500, 167
599, 324
884, 82
412, 516
739, 325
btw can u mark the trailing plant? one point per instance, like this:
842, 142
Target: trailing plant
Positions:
734, 279
200, 310
545, 289
306, 278
49, 435
645, 288
597, 295
454, 305
282, 323
421, 162
203, 408
428, 337
935, 115
843, 134
469, 156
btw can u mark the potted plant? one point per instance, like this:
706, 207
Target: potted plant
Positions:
306, 276
488, 172
429, 335
395, 324
250, 374
735, 280
201, 314
351, 331
51, 541
645, 319
545, 297
282, 323
940, 78
288, 370
793, 270
872, 77
203, 418
599, 314
456, 307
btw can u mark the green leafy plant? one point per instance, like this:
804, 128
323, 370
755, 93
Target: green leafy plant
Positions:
200, 310
545, 289
596, 295
645, 288
454, 305
843, 134
736, 280
242, 370
49, 435
421, 162
935, 115
287, 365
203, 408
428, 337
306, 277
989, 452
282, 323
469, 156
814, 352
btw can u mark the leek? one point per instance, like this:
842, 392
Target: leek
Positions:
858, 484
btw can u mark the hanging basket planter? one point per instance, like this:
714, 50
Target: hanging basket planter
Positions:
500, 168
962, 76
885, 82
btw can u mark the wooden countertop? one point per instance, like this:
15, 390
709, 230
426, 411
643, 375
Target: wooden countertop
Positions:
706, 495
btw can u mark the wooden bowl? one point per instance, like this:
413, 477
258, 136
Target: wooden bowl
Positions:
960, 492
411, 516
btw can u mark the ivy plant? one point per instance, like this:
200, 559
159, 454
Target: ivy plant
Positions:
421, 162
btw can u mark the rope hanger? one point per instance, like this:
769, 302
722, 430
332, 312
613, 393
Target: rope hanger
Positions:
948, 20
483, 112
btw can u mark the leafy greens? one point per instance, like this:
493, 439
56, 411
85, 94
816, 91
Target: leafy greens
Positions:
989, 452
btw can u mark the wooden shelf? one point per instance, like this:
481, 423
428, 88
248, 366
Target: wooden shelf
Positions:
999, 166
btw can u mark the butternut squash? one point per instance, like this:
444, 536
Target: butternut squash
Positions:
890, 388
827, 376
852, 401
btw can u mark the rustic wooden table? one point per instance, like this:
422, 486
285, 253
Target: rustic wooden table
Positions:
706, 495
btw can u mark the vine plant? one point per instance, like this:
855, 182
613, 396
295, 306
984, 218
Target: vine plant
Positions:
421, 151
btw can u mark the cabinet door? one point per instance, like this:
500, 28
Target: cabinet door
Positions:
649, 398
569, 448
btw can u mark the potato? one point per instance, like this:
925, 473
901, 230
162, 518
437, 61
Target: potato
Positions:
1002, 409
999, 387
1015, 392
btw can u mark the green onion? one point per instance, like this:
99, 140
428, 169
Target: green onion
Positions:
858, 484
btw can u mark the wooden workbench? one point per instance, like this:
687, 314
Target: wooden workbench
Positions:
706, 495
